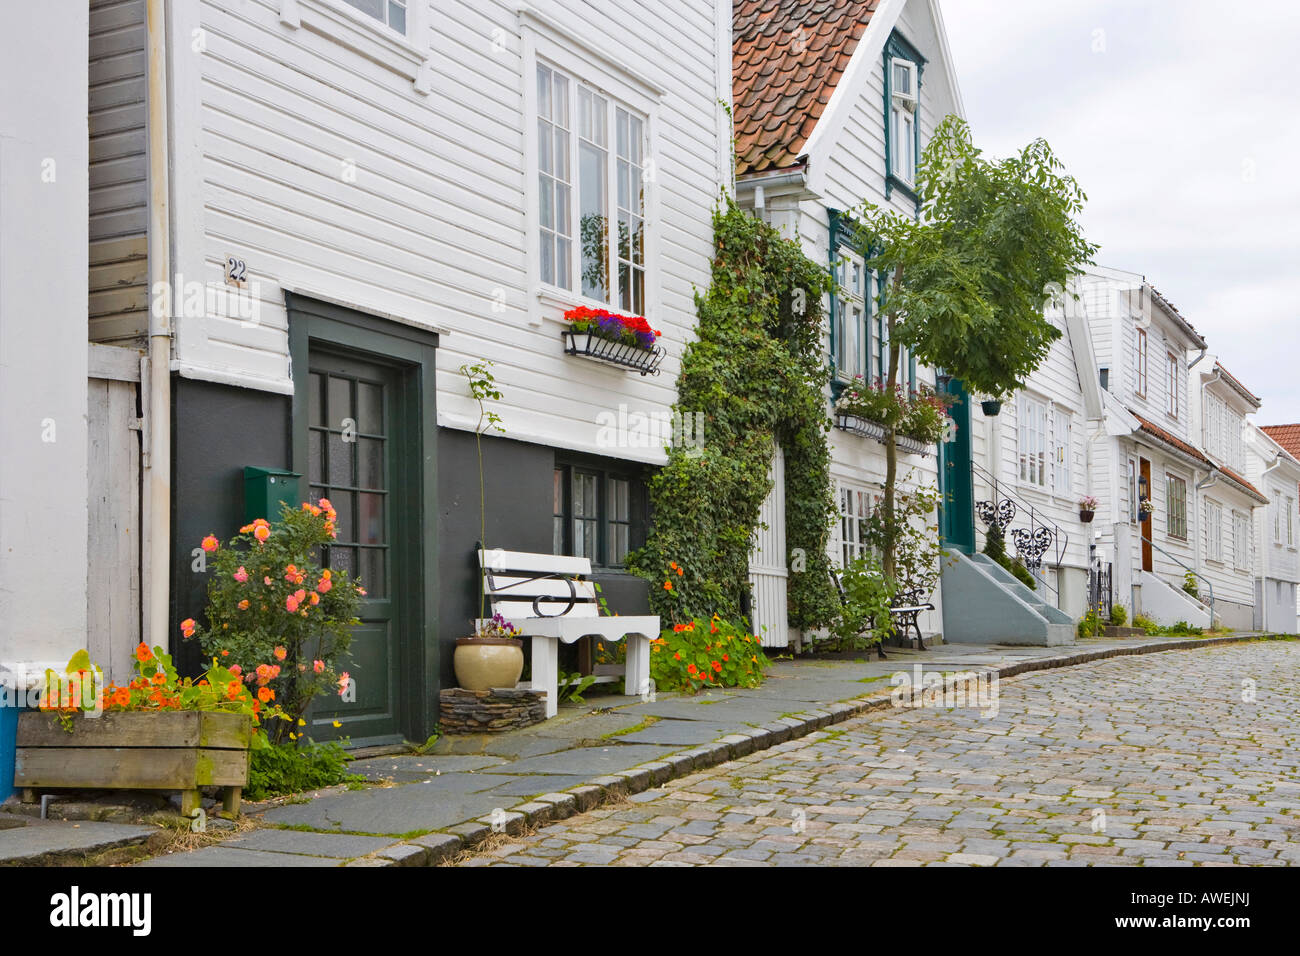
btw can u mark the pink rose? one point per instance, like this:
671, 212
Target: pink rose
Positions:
241, 575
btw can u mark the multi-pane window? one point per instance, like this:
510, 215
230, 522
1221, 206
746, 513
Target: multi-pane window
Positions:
586, 140
1275, 510
1290, 522
596, 515
903, 103
1141, 363
851, 333
1175, 507
392, 13
855, 510
1213, 530
1132, 490
1063, 451
1033, 441
1171, 366
1240, 541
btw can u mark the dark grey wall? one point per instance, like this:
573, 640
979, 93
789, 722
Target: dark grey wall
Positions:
518, 486
216, 431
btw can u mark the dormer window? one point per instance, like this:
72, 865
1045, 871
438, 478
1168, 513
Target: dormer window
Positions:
902, 66
903, 104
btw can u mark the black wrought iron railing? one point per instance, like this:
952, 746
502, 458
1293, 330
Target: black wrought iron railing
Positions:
1038, 539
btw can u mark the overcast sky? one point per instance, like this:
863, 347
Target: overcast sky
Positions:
1181, 121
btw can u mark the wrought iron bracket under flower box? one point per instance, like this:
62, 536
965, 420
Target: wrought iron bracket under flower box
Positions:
865, 428
613, 352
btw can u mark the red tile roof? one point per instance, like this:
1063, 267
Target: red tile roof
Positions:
787, 56
1169, 438
1288, 436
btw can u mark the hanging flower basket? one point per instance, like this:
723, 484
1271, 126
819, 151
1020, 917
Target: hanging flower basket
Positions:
626, 341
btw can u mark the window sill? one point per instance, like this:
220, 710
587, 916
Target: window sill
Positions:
893, 183
364, 35
551, 302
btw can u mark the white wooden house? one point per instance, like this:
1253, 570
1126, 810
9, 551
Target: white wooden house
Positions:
363, 196
832, 105
1219, 406
1147, 449
1273, 467
1037, 454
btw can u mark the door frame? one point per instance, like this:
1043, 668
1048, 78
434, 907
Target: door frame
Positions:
412, 353
1144, 527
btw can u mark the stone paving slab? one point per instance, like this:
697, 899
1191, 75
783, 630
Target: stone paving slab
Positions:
396, 810
589, 760
28, 844
406, 769
221, 856
684, 733
341, 846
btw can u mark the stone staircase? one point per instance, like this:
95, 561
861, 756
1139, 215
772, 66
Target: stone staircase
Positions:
984, 604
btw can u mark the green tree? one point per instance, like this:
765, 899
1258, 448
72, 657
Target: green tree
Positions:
969, 274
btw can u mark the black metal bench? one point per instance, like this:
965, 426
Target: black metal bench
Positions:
904, 611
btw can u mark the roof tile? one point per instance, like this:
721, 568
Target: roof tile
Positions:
799, 49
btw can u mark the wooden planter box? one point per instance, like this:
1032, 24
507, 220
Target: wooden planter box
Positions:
173, 750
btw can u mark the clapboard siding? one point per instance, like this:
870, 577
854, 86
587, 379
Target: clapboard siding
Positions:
118, 298
433, 227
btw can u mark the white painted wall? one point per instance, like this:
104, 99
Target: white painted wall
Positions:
329, 172
43, 364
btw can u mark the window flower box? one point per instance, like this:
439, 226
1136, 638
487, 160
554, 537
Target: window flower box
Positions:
623, 340
919, 420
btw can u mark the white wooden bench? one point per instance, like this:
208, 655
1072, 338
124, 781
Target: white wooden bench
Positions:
544, 598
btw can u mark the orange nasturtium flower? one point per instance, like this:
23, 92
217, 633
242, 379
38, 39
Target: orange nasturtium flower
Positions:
265, 694
142, 653
668, 585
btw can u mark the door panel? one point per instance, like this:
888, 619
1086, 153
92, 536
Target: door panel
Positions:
353, 437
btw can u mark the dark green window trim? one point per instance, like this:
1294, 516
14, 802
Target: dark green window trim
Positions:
843, 231
604, 470
897, 46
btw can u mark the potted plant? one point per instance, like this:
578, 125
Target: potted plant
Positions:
991, 406
160, 732
1145, 509
1087, 508
492, 656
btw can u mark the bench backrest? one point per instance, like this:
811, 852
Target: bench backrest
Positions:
524, 584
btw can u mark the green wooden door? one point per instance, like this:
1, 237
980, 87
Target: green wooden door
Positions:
354, 440
957, 511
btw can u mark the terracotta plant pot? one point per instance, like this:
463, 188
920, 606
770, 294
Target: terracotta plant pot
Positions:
483, 663
1086, 515
991, 407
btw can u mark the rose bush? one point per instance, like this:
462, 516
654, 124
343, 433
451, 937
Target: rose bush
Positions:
276, 615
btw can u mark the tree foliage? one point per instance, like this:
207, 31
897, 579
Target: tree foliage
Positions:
968, 277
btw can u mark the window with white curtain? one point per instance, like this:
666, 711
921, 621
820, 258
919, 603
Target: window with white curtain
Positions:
1213, 530
1241, 556
1032, 416
856, 505
1062, 452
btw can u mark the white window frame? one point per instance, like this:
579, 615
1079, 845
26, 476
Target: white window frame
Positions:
856, 504
1062, 451
1241, 555
1133, 490
1032, 441
406, 54
1275, 515
851, 311
904, 113
1213, 531
594, 68
1290, 522
1172, 367
1142, 347
1170, 478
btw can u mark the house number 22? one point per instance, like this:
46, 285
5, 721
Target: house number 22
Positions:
236, 271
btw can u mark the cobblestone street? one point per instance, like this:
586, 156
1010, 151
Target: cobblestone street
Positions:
1172, 759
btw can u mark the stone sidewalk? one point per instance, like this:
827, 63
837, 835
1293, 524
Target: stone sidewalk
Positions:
426, 809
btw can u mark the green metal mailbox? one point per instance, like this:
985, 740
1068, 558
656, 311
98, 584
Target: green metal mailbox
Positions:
265, 488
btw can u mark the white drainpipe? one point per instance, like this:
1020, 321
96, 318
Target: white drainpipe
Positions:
158, 448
